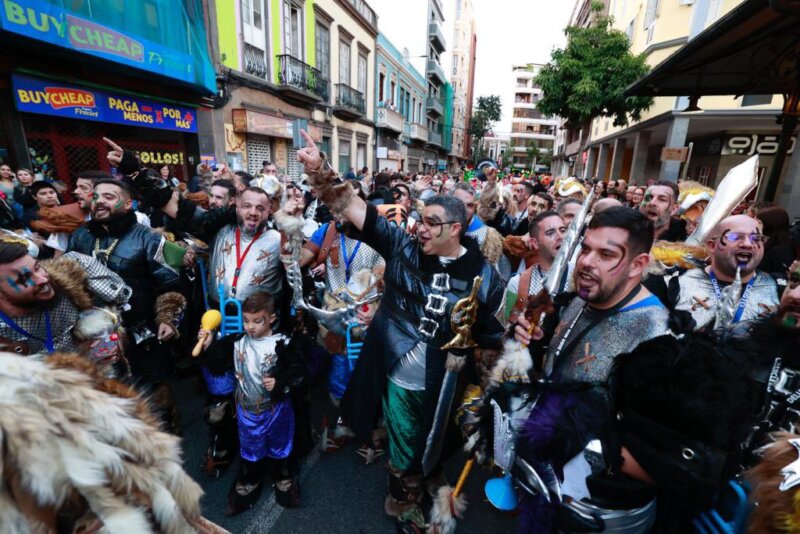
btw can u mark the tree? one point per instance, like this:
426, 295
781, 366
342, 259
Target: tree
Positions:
487, 112
587, 78
533, 153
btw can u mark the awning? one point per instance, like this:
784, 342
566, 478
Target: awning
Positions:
753, 49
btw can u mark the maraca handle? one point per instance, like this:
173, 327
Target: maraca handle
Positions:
199, 347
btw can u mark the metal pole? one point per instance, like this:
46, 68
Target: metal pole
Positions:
686, 164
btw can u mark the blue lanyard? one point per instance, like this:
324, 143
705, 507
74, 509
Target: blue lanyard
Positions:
742, 300
348, 261
48, 341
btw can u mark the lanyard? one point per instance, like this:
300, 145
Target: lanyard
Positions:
48, 340
596, 321
742, 300
348, 261
240, 257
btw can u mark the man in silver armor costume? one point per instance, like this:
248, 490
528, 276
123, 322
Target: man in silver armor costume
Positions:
612, 313
246, 256
43, 304
730, 292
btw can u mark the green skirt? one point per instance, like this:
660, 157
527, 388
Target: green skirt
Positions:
404, 412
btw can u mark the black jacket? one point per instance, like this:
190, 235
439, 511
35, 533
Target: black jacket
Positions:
138, 258
395, 329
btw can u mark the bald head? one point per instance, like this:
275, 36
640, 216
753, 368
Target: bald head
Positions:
605, 203
737, 242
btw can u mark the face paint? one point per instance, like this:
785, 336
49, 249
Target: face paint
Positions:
24, 280
118, 205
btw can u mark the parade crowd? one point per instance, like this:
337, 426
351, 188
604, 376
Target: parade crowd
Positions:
624, 356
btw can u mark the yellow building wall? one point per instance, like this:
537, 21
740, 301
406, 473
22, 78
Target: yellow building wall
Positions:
363, 37
672, 22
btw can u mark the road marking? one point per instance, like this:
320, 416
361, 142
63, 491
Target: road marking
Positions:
268, 511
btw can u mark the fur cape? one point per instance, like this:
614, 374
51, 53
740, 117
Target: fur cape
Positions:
492, 247
78, 445
70, 279
775, 510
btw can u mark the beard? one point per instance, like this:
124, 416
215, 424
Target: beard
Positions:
245, 229
602, 290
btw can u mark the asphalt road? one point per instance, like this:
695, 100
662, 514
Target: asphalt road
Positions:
338, 492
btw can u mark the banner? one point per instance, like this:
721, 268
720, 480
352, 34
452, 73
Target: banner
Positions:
34, 95
179, 55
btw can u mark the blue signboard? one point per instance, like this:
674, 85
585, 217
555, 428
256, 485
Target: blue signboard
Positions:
178, 54
34, 95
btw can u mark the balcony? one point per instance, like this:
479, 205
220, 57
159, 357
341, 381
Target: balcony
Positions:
350, 104
366, 13
435, 71
436, 36
435, 105
391, 120
419, 132
435, 138
300, 82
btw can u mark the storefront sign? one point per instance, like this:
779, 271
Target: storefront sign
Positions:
34, 95
51, 23
156, 157
751, 144
248, 121
674, 154
395, 155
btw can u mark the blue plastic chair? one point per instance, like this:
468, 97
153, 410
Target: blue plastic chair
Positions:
231, 323
729, 515
352, 348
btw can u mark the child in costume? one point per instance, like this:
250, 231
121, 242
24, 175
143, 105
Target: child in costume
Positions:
267, 368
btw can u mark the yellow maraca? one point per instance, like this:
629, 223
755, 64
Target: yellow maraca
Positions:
210, 321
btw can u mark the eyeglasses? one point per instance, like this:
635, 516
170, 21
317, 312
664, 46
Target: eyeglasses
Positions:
429, 224
736, 237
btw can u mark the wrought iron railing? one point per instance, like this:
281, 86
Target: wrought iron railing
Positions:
254, 62
299, 75
349, 98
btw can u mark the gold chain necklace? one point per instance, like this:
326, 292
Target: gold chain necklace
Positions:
102, 255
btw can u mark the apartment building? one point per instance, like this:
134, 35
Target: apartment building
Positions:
462, 71
531, 132
427, 51
288, 60
723, 131
400, 116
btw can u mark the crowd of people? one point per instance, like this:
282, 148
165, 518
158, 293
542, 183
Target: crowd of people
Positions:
588, 339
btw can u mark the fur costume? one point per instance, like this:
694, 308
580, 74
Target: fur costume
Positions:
490, 202
77, 444
518, 250
335, 196
775, 510
169, 309
59, 219
492, 247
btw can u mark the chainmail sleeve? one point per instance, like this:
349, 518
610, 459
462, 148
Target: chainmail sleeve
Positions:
104, 283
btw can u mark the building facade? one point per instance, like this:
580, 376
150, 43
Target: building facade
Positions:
722, 131
288, 61
73, 73
532, 134
462, 73
427, 53
400, 97
496, 147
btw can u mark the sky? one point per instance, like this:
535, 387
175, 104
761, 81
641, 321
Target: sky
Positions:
510, 32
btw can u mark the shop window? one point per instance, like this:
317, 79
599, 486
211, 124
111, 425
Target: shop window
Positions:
756, 100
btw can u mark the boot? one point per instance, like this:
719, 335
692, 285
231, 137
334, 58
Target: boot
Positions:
405, 492
246, 489
221, 421
287, 493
